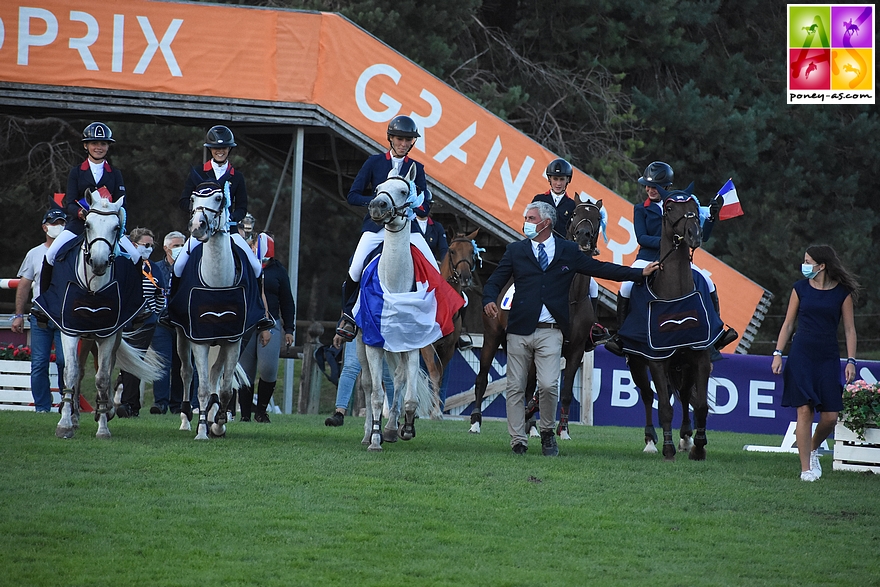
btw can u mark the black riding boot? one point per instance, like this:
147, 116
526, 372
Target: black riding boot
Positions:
347, 328
614, 345
265, 389
246, 402
730, 334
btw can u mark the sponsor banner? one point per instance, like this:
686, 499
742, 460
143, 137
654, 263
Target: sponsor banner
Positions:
744, 396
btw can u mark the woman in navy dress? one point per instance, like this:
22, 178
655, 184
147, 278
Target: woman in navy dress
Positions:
811, 376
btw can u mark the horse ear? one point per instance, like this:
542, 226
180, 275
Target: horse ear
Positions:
599, 203
472, 235
411, 174
121, 201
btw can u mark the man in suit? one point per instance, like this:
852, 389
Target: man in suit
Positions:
542, 266
559, 175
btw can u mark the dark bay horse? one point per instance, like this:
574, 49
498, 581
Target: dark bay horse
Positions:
687, 369
583, 228
457, 269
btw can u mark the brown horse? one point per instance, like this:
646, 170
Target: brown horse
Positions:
583, 331
686, 369
583, 228
457, 269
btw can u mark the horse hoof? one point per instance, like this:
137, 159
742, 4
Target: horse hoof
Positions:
64, 432
366, 440
685, 444
217, 431
564, 435
475, 428
201, 437
533, 432
100, 434
408, 432
375, 442
389, 435
697, 453
185, 425
375, 448
650, 447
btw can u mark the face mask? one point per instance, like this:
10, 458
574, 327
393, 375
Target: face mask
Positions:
53, 230
809, 271
175, 252
145, 251
530, 229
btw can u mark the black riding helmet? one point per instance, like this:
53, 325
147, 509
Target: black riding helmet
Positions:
559, 168
97, 131
219, 137
658, 174
403, 126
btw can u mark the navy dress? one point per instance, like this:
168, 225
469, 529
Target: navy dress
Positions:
812, 371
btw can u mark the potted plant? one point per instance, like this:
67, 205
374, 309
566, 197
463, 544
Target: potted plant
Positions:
857, 436
861, 407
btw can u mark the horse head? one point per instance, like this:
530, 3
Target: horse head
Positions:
681, 219
462, 259
587, 220
395, 200
210, 211
103, 225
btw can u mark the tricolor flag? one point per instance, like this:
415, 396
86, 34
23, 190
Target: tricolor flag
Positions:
406, 321
731, 207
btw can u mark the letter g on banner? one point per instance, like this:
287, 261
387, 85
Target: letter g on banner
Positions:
360, 94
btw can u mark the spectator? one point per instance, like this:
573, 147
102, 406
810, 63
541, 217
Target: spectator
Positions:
42, 336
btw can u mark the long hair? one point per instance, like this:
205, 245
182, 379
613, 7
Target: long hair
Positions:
834, 268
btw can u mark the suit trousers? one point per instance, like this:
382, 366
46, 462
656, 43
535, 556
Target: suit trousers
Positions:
544, 346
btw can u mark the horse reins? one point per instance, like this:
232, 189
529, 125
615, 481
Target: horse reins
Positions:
677, 239
395, 210
593, 230
454, 266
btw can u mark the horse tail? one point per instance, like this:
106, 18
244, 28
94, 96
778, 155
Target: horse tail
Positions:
148, 366
240, 379
429, 403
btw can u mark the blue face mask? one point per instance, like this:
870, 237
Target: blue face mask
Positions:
809, 271
530, 229
175, 252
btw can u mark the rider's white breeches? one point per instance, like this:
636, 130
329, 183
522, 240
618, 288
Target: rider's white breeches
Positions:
371, 240
192, 244
67, 236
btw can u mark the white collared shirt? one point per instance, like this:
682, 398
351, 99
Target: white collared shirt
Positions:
97, 170
219, 170
556, 197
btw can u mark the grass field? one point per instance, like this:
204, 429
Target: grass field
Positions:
296, 503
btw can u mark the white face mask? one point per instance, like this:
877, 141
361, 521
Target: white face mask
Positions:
53, 230
145, 251
175, 252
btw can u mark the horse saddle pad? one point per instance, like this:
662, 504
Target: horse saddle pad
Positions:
216, 313
84, 312
683, 322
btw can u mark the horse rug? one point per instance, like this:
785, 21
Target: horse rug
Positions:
656, 328
214, 315
400, 322
80, 312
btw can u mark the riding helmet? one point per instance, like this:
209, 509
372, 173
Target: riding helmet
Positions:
219, 137
97, 131
54, 215
403, 126
559, 168
658, 174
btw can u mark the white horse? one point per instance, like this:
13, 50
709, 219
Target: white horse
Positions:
103, 225
215, 362
392, 208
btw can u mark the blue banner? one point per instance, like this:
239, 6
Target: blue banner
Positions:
744, 395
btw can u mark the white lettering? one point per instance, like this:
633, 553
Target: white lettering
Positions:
621, 249
756, 399
425, 122
118, 46
25, 39
453, 149
623, 385
512, 186
83, 43
716, 383
597, 383
164, 46
360, 94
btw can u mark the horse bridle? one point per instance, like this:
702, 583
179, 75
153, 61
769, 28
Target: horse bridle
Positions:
87, 244
677, 239
395, 210
593, 227
214, 224
456, 275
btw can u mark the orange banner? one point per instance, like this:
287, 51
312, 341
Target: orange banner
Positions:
313, 58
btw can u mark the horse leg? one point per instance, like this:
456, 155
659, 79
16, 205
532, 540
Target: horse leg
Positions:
104, 408
374, 357
184, 351
664, 407
639, 372
491, 340
411, 404
566, 394
686, 433
700, 401
66, 427
200, 355
227, 359
533, 405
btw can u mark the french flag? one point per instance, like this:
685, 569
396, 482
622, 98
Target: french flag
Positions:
731, 207
401, 322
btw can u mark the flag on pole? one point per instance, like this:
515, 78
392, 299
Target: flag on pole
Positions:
731, 207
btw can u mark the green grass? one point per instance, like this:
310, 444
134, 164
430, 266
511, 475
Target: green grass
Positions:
296, 503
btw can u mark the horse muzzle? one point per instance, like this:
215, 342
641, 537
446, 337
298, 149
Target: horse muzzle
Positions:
381, 209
